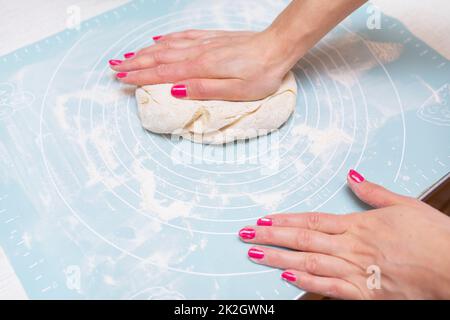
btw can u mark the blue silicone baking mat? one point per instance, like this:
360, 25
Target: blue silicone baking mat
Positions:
93, 206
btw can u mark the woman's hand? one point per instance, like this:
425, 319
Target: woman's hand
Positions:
404, 241
236, 66
202, 64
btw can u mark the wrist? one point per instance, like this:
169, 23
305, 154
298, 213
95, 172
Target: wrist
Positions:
278, 51
300, 26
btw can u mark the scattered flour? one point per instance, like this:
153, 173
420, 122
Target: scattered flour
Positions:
321, 140
146, 178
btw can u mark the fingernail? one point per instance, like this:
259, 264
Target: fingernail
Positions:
355, 176
179, 91
121, 75
114, 62
129, 55
288, 276
247, 233
255, 253
264, 222
156, 38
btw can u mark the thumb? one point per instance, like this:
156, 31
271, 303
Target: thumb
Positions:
373, 194
212, 89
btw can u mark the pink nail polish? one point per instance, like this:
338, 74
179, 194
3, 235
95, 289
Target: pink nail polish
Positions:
156, 38
114, 62
247, 233
255, 253
179, 91
129, 55
121, 75
355, 176
288, 276
267, 222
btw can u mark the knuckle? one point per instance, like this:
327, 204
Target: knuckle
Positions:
198, 87
166, 43
367, 192
162, 71
303, 240
272, 258
265, 235
333, 291
141, 52
366, 253
158, 56
242, 93
311, 263
281, 220
306, 282
143, 62
358, 247
314, 220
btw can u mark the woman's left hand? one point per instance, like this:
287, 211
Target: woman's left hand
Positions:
399, 250
209, 65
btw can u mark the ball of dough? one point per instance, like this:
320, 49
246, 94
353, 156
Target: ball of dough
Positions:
212, 121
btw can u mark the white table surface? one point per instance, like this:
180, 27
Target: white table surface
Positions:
23, 22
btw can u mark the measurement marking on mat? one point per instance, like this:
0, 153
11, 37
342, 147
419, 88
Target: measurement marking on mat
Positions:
407, 190
46, 289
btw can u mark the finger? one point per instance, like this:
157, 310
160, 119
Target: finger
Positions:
312, 263
198, 34
293, 238
212, 89
170, 44
326, 286
188, 34
373, 194
323, 222
152, 59
162, 73
179, 40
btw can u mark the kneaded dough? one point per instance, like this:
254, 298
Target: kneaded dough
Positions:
213, 121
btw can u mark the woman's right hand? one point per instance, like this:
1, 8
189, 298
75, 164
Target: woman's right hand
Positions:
397, 251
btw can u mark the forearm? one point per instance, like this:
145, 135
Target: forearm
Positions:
302, 24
